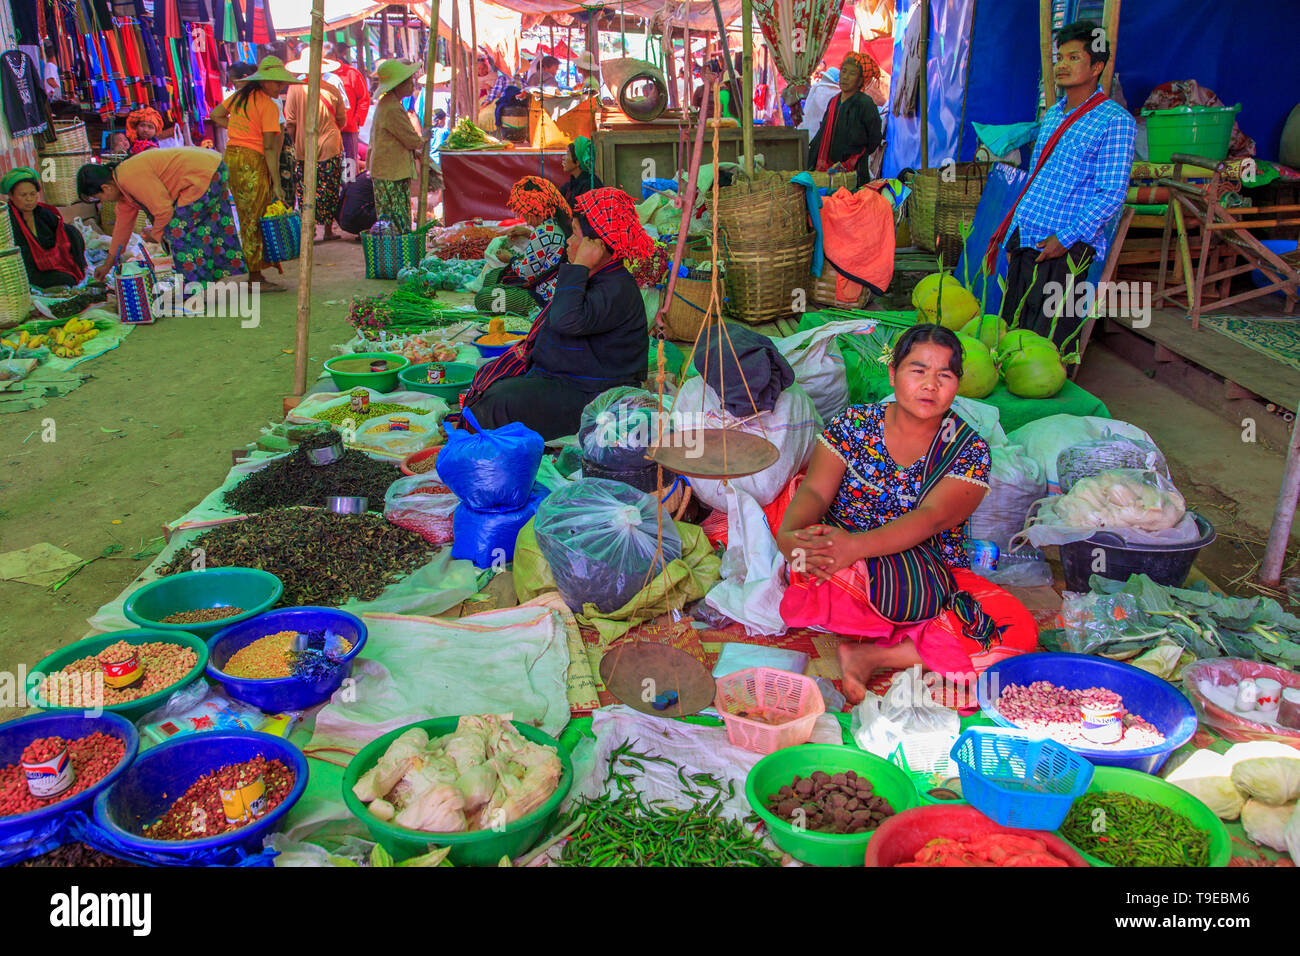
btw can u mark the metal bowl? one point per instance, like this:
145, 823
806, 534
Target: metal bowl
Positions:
347, 505
327, 455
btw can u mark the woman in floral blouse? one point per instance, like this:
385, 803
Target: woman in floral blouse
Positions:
888, 479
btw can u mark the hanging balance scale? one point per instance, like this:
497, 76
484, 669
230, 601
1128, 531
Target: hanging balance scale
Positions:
655, 678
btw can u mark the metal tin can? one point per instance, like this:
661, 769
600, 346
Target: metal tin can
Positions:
462, 399
1103, 723
437, 373
379, 365
984, 554
123, 673
244, 803
48, 778
1288, 714
399, 423
360, 400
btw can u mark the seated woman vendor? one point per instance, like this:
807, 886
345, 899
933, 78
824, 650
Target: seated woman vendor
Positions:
53, 251
590, 337
538, 203
851, 129
875, 533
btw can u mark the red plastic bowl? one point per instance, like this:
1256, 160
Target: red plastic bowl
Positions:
902, 836
420, 455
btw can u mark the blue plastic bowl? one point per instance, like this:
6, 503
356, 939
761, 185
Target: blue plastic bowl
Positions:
1277, 247
250, 588
1146, 695
162, 773
17, 734
284, 693
492, 351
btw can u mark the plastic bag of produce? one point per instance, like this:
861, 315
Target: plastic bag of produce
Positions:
1045, 439
1207, 776
1266, 824
488, 537
818, 364
394, 436
1016, 482
792, 426
421, 503
491, 469
1142, 507
1103, 454
908, 717
600, 539
618, 426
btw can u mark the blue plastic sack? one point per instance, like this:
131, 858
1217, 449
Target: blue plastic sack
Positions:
491, 469
651, 186
481, 536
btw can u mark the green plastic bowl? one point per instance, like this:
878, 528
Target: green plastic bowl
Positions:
824, 849
135, 709
1144, 786
254, 590
480, 848
384, 381
414, 378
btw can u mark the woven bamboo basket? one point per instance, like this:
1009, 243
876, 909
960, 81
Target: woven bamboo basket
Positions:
70, 138
823, 290
942, 199
689, 308
824, 180
60, 183
762, 277
6, 227
15, 293
108, 216
768, 208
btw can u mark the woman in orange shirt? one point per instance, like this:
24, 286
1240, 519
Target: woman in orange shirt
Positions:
253, 144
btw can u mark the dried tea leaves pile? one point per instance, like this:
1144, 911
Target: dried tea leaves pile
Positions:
294, 480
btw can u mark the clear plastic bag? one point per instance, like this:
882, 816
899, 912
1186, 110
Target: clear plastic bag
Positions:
1016, 482
421, 503
600, 539
907, 716
1103, 454
618, 426
1141, 507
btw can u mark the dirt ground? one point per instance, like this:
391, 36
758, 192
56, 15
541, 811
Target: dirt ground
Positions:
152, 432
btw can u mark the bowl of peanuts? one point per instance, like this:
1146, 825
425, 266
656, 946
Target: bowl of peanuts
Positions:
289, 659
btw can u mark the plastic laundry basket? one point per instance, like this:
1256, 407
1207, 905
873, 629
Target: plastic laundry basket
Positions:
1199, 130
791, 699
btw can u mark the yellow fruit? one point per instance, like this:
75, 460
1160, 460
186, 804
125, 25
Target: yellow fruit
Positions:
954, 309
58, 337
36, 342
90, 334
23, 337
9, 343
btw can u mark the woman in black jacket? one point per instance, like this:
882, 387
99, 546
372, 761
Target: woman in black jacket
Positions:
53, 251
590, 338
851, 130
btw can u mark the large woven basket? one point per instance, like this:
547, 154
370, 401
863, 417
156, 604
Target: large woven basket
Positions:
689, 308
70, 138
762, 277
766, 208
108, 216
6, 227
823, 290
943, 198
15, 293
832, 181
59, 180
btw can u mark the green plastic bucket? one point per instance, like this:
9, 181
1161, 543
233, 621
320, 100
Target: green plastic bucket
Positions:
1144, 786
457, 379
346, 377
824, 849
479, 848
1199, 130
135, 709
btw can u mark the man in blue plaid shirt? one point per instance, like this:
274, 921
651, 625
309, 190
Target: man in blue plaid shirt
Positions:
1063, 216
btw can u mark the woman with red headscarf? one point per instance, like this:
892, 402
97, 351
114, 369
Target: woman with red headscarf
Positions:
142, 129
536, 201
851, 129
590, 338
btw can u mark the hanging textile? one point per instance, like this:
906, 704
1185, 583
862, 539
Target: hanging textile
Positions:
797, 33
21, 93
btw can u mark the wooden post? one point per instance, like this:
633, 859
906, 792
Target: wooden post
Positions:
307, 246
747, 88
430, 66
670, 68
473, 66
1110, 22
1270, 569
1045, 54
455, 61
923, 95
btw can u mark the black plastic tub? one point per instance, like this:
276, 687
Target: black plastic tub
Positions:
1163, 563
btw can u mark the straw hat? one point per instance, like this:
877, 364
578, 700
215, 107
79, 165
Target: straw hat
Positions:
441, 75
272, 68
587, 62
392, 73
303, 64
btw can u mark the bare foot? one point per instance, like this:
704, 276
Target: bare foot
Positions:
857, 664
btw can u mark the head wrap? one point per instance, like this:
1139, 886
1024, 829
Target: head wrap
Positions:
19, 174
611, 213
582, 150
535, 196
870, 70
139, 116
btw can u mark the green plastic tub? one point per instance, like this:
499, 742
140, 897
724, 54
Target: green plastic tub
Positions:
132, 710
458, 375
824, 849
1144, 786
480, 848
352, 371
252, 589
1199, 130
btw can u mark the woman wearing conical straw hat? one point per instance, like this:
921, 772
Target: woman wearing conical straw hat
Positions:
331, 117
396, 144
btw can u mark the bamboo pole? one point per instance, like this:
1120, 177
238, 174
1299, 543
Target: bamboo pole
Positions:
430, 66
1270, 569
1045, 54
1110, 20
747, 91
455, 61
307, 245
473, 60
923, 94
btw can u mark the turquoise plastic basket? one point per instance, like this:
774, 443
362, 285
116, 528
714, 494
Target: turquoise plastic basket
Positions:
1018, 781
